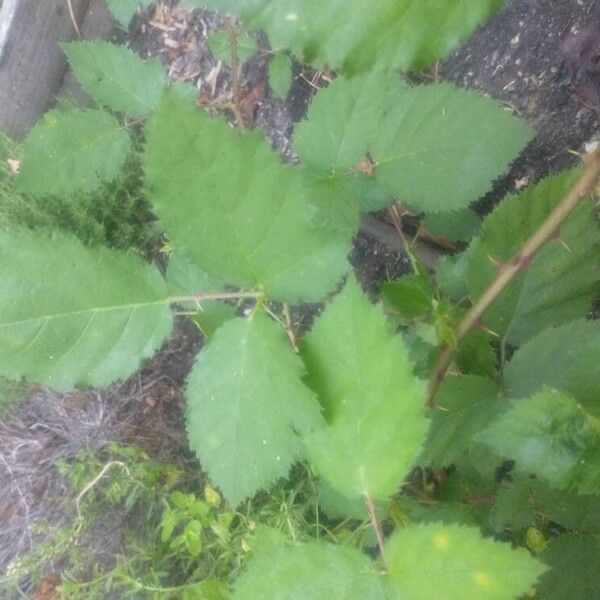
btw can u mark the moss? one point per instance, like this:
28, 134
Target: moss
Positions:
117, 215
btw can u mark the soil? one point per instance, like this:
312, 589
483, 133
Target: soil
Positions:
518, 58
515, 58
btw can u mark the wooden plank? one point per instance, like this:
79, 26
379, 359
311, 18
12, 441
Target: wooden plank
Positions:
32, 67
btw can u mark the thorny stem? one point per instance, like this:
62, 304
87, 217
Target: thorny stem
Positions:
236, 88
547, 231
199, 298
375, 523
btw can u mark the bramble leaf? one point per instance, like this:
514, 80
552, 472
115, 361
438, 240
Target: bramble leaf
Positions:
76, 316
563, 358
246, 401
439, 147
562, 280
549, 435
312, 571
574, 572
459, 225
280, 75
342, 120
424, 559
227, 201
123, 10
72, 151
467, 404
116, 77
355, 35
374, 405
410, 297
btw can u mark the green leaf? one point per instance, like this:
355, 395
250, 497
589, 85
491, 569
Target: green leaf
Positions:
574, 572
226, 200
475, 356
117, 77
246, 401
355, 35
410, 296
439, 147
370, 196
518, 502
343, 119
459, 225
312, 571
548, 434
123, 10
562, 280
562, 358
185, 278
451, 276
219, 44
76, 316
423, 560
72, 151
466, 405
374, 405
280, 75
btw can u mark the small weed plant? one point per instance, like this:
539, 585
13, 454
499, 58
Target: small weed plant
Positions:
456, 415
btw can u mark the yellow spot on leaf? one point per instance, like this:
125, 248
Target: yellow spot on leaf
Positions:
441, 541
482, 580
214, 441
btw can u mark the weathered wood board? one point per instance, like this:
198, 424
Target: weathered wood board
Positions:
32, 67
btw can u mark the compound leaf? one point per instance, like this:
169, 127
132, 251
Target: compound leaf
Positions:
312, 571
76, 316
434, 135
355, 35
549, 435
563, 358
562, 280
246, 401
116, 77
424, 559
72, 151
242, 216
374, 405
123, 10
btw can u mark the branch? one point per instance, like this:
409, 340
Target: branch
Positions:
547, 231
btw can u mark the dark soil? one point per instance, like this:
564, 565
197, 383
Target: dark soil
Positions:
518, 58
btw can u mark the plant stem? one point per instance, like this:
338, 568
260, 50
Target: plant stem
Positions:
289, 327
236, 88
375, 523
548, 230
199, 298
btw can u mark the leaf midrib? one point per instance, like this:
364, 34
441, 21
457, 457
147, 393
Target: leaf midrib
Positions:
94, 310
